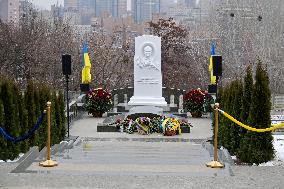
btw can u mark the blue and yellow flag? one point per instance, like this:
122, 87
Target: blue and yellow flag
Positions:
86, 66
212, 78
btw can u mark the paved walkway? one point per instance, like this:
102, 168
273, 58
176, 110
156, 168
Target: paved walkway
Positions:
119, 160
86, 127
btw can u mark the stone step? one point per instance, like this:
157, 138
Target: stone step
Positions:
132, 170
135, 153
133, 158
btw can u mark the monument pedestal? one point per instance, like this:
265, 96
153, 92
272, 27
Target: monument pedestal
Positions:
147, 101
146, 109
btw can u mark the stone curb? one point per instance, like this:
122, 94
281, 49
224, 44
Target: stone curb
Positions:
77, 142
226, 156
26, 160
42, 154
223, 156
34, 155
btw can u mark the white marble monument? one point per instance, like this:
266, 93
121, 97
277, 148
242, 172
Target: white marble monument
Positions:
147, 72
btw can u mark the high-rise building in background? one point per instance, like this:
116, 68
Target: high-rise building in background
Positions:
87, 5
122, 8
143, 10
57, 12
103, 8
165, 4
9, 11
26, 8
71, 4
106, 7
190, 3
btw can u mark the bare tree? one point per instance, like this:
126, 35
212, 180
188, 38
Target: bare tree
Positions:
111, 65
247, 30
32, 51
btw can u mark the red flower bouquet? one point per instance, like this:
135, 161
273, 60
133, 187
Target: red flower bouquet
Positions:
194, 101
98, 101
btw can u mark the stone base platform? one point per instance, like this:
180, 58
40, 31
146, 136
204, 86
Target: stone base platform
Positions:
147, 101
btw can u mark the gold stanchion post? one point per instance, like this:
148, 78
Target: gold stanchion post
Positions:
48, 162
215, 163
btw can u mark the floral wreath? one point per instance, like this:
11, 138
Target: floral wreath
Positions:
170, 126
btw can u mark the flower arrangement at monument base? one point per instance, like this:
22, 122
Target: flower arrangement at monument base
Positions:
170, 127
145, 126
98, 101
193, 103
197, 102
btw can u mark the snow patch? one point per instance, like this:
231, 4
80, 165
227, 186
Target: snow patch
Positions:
278, 143
12, 161
63, 142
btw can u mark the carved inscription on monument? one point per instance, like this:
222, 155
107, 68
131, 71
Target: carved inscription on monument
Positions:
148, 81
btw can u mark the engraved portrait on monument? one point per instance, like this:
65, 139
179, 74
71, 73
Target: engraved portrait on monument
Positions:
147, 60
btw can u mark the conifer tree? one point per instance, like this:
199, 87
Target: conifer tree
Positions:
219, 95
37, 112
237, 92
37, 102
258, 147
17, 100
58, 119
62, 115
228, 107
248, 89
23, 117
30, 106
219, 99
44, 97
9, 124
3, 141
54, 126
222, 138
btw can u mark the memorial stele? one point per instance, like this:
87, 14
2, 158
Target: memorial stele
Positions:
147, 72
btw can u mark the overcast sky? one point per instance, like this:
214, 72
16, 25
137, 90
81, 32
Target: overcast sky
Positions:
45, 4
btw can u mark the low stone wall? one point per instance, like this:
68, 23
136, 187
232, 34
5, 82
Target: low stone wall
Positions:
173, 97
